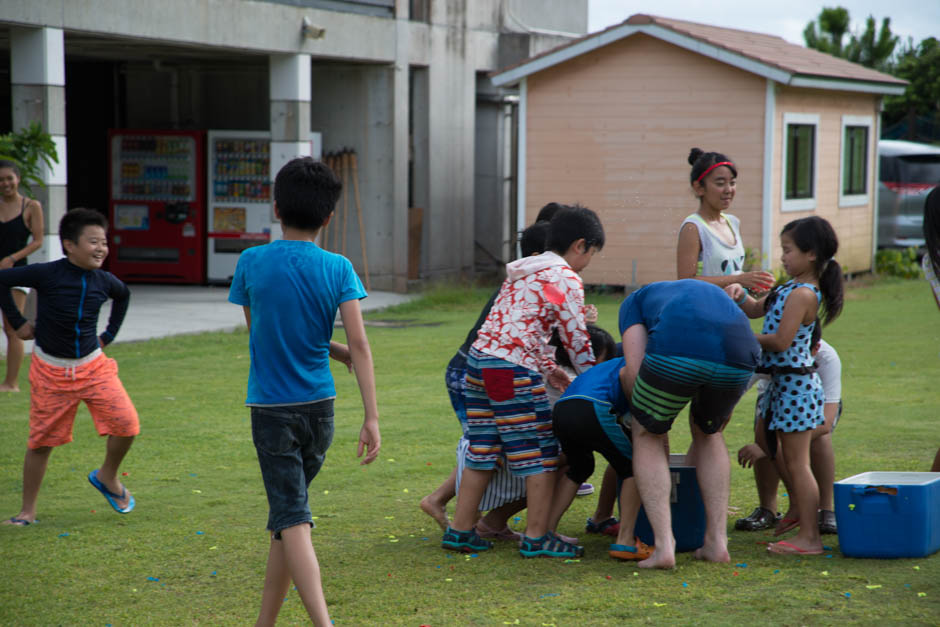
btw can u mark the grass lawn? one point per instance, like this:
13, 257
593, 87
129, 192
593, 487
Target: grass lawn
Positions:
193, 550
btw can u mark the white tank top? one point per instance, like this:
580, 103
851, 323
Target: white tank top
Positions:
717, 258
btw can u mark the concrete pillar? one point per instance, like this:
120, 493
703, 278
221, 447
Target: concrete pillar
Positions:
400, 148
37, 84
290, 91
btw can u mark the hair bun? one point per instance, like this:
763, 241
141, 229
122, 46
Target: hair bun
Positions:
694, 154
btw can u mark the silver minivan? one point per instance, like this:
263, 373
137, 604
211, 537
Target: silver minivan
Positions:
908, 172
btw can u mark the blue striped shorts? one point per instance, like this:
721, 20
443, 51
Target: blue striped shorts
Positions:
508, 415
666, 384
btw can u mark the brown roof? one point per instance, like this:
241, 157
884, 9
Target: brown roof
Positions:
770, 50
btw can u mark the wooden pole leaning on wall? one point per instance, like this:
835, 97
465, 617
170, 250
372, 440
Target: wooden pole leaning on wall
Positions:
344, 158
362, 233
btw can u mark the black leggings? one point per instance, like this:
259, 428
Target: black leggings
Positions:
580, 434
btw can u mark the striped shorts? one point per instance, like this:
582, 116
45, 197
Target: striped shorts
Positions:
503, 487
508, 415
665, 384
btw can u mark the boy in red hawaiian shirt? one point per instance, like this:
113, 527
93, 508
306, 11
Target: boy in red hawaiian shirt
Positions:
508, 415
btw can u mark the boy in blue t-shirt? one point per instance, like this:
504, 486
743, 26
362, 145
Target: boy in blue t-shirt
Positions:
290, 290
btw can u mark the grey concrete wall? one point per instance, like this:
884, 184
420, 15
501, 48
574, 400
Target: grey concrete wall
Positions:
352, 108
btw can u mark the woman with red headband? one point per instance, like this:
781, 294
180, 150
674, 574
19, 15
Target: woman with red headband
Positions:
710, 246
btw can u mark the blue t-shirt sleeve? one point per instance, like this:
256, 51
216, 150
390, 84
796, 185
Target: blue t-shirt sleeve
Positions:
238, 293
352, 288
631, 311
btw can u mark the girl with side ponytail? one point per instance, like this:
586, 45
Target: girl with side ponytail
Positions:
792, 407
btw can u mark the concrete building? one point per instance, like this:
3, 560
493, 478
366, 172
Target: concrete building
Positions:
401, 82
609, 120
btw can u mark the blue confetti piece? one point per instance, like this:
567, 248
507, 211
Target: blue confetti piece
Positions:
213, 573
63, 535
776, 571
829, 556
827, 548
685, 584
474, 555
192, 474
741, 565
199, 533
424, 538
550, 594
153, 579
517, 519
848, 595
438, 567
785, 494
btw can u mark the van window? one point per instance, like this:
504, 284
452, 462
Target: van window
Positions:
912, 173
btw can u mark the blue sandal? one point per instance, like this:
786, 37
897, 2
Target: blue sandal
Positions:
111, 496
549, 545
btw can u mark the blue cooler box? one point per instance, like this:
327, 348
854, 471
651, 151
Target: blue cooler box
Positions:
688, 510
888, 514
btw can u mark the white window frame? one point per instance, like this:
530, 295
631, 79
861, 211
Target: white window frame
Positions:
855, 200
799, 204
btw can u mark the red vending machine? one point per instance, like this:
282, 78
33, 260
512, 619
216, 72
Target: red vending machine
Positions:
157, 206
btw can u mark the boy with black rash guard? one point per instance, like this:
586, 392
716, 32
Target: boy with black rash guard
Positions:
68, 364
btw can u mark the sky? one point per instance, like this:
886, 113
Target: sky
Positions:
787, 18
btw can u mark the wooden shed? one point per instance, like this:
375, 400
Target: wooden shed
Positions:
608, 121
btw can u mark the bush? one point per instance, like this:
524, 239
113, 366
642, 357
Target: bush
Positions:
899, 263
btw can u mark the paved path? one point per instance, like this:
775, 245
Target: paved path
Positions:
165, 310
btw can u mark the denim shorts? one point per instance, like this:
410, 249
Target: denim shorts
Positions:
291, 443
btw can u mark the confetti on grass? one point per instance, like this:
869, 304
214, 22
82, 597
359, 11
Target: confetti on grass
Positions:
63, 535
874, 587
153, 579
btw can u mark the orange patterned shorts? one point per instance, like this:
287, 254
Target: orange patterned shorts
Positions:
55, 392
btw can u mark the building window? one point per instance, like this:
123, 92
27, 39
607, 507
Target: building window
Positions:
853, 177
420, 11
800, 152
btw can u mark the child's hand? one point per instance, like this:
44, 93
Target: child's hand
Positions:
369, 441
340, 352
559, 379
750, 454
736, 292
26, 332
590, 314
758, 281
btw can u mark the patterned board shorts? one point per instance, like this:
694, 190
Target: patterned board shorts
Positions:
508, 415
56, 390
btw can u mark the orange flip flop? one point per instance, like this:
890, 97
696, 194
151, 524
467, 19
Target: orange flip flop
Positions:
785, 548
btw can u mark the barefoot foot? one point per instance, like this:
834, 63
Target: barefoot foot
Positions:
6, 387
436, 511
712, 554
660, 559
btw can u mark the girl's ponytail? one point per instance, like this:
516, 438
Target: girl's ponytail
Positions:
830, 284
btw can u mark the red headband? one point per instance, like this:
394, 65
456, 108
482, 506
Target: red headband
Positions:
702, 175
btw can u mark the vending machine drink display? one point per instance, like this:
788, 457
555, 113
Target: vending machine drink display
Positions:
157, 206
240, 196
239, 174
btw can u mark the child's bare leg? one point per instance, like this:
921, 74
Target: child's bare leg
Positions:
498, 518
435, 503
473, 483
651, 470
34, 469
565, 491
14, 348
607, 496
303, 568
796, 456
116, 449
629, 508
823, 464
539, 489
936, 462
767, 480
276, 583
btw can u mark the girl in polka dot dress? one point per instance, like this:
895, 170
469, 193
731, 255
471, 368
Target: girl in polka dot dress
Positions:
793, 405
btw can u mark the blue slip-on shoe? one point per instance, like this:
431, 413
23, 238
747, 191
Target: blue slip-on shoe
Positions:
464, 541
108, 494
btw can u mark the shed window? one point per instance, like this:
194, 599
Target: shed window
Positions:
853, 176
801, 143
800, 161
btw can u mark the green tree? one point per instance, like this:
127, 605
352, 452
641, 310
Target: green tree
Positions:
873, 50
920, 66
28, 148
833, 24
